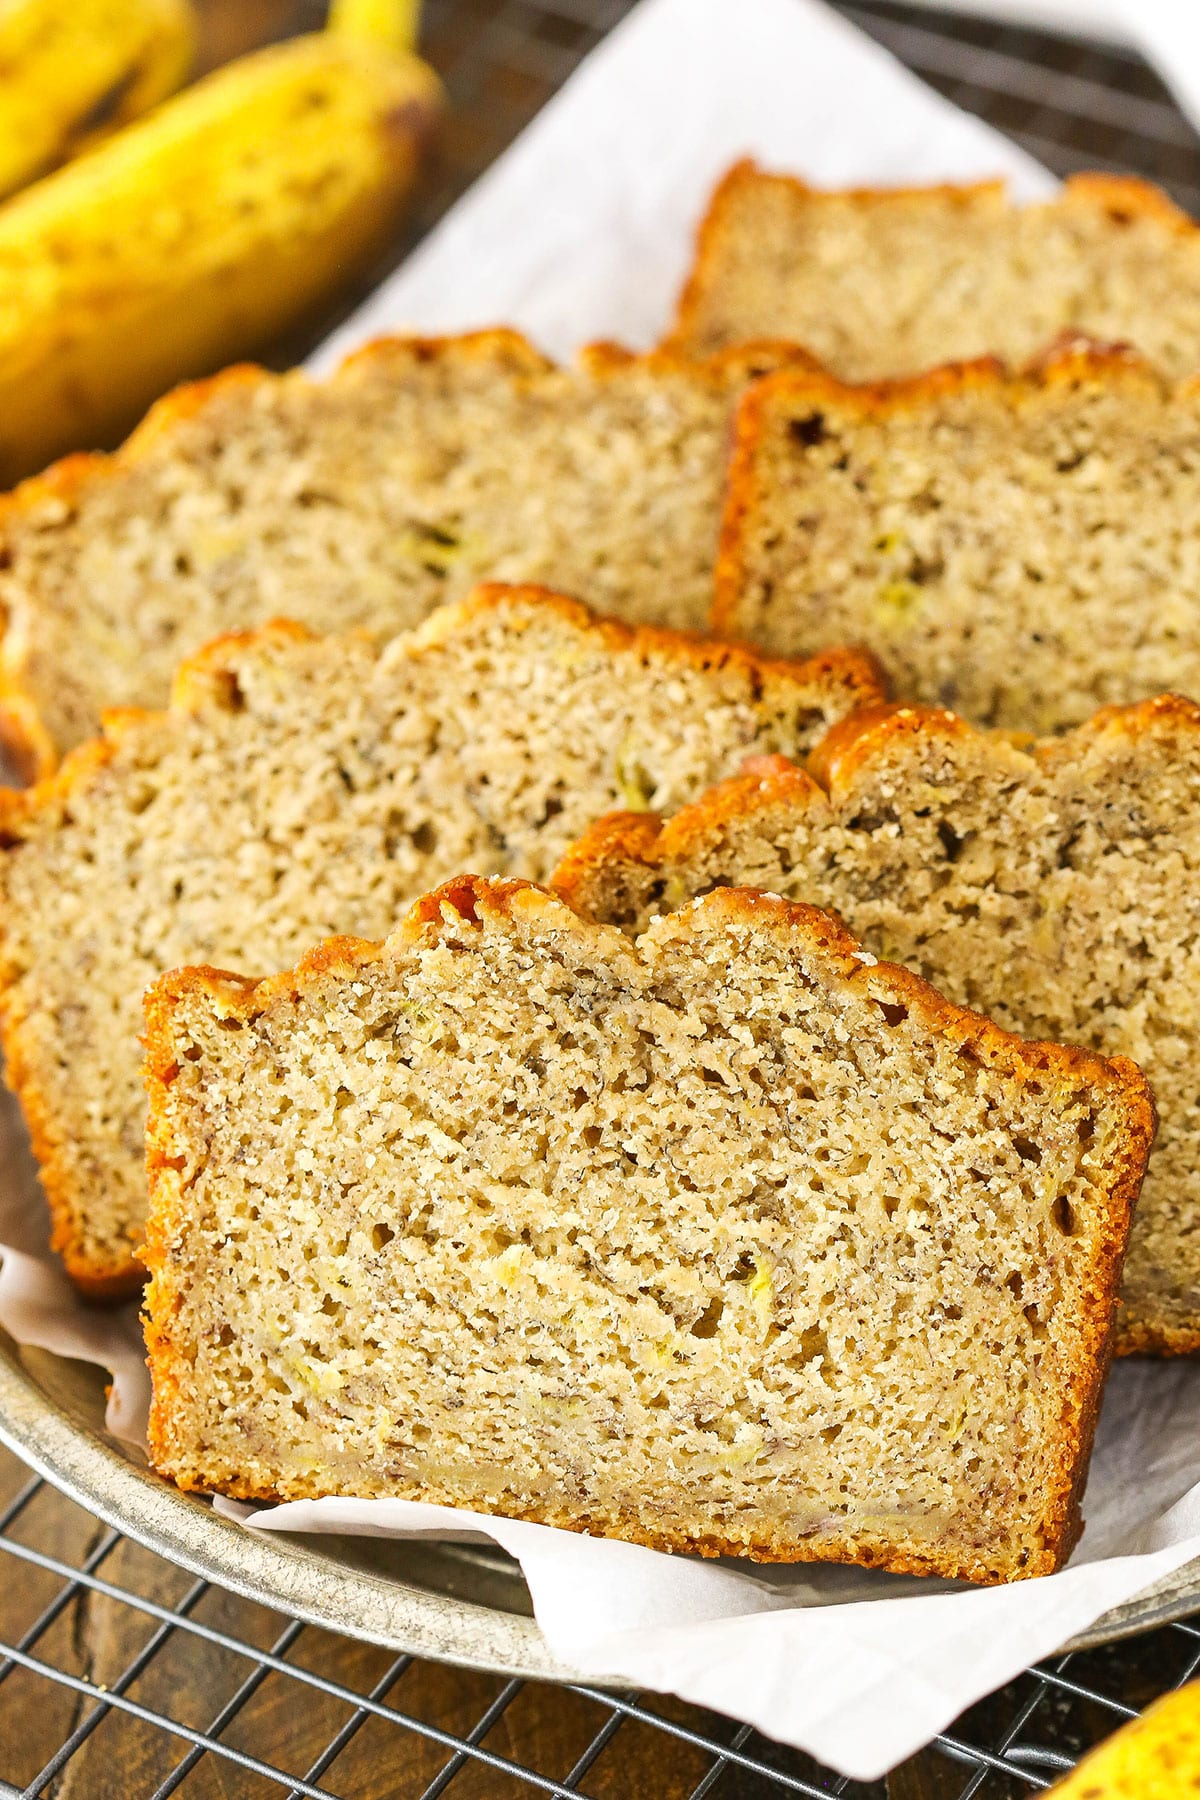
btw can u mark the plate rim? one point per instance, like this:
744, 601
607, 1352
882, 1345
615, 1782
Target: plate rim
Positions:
280, 1571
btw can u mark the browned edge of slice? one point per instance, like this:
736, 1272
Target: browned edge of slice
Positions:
1072, 359
24, 733
19, 808
856, 671
650, 841
238, 997
1125, 196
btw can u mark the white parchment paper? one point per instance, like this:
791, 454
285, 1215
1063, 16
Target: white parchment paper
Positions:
583, 230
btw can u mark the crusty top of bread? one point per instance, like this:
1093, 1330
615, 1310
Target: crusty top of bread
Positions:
300, 786
420, 467
886, 282
1017, 546
575, 1212
1054, 887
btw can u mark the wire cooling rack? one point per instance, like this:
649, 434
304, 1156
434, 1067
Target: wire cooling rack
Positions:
1072, 105
121, 1677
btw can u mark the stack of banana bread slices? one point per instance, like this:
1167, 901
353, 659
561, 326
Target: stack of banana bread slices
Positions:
654, 1069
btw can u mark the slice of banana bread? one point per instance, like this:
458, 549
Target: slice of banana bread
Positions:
1020, 548
886, 282
1057, 890
420, 468
301, 786
733, 1240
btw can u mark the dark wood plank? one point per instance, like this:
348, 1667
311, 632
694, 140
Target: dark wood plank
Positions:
36, 1715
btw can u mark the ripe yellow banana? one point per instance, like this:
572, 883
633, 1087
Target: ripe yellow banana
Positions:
74, 70
1157, 1757
199, 234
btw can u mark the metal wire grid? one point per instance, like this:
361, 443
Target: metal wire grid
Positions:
1071, 104
1016, 1742
146, 1719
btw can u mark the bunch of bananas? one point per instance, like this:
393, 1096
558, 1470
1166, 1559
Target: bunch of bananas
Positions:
200, 232
75, 71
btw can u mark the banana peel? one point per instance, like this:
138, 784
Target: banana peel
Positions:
1156, 1757
74, 72
199, 234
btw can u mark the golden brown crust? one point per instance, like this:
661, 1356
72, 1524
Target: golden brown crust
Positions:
1070, 360
855, 742
24, 738
617, 837
731, 363
840, 753
471, 896
24, 732
1124, 198
857, 669
651, 841
1132, 721
194, 678
494, 343
1142, 1339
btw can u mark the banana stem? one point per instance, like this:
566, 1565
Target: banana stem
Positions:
392, 23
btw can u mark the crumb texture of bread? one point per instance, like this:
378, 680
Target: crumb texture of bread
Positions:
1056, 890
731, 1240
301, 786
1019, 548
362, 501
885, 283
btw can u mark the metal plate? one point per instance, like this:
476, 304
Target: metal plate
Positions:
453, 1602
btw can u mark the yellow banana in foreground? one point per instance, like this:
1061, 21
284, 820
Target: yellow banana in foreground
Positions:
1156, 1757
73, 70
198, 234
